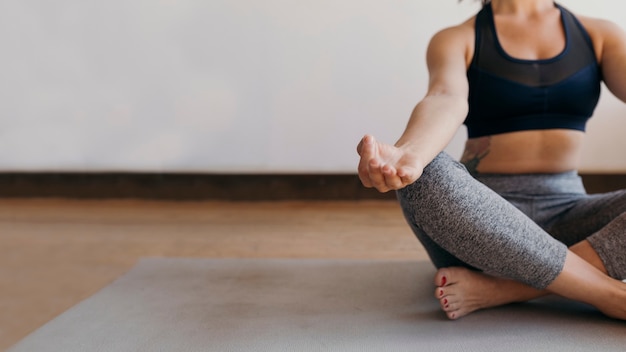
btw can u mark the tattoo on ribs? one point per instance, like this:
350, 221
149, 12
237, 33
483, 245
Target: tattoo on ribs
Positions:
475, 151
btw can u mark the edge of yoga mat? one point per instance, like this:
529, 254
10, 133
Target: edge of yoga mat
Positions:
307, 305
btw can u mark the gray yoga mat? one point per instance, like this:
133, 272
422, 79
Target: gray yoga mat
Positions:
307, 305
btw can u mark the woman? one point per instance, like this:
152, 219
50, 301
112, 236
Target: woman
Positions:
524, 76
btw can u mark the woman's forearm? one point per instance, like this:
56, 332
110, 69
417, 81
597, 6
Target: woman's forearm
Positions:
432, 125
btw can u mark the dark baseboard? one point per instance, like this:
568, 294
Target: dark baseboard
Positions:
236, 187
601, 183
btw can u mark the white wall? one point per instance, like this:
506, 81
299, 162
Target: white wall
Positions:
228, 85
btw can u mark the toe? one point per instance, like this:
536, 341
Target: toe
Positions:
440, 293
453, 315
446, 304
442, 277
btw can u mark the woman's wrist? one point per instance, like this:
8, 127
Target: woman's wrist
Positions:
414, 154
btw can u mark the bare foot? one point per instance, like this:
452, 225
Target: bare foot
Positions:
461, 291
581, 281
615, 307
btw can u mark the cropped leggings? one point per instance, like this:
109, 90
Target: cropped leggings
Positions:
512, 226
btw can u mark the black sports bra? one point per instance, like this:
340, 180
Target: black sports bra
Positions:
508, 94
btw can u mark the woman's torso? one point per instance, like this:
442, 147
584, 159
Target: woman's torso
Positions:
539, 37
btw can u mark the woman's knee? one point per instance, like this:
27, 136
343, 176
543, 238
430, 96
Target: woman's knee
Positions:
610, 245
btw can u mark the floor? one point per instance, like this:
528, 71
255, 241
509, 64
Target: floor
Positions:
55, 252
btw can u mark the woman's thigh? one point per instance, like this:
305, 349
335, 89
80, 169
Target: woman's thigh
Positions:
588, 215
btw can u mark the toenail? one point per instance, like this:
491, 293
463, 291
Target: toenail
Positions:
443, 281
440, 293
447, 306
445, 301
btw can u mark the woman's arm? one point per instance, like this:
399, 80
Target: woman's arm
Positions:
441, 112
610, 40
434, 121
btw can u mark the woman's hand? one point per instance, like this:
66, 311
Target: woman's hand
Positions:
386, 167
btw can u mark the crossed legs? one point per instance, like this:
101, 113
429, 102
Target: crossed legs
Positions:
518, 260
461, 291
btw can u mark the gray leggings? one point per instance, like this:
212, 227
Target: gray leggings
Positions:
513, 226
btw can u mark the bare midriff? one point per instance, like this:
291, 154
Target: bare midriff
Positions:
537, 151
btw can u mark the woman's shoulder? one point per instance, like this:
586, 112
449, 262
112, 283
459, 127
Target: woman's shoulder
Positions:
461, 31
609, 41
458, 38
602, 31
600, 27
